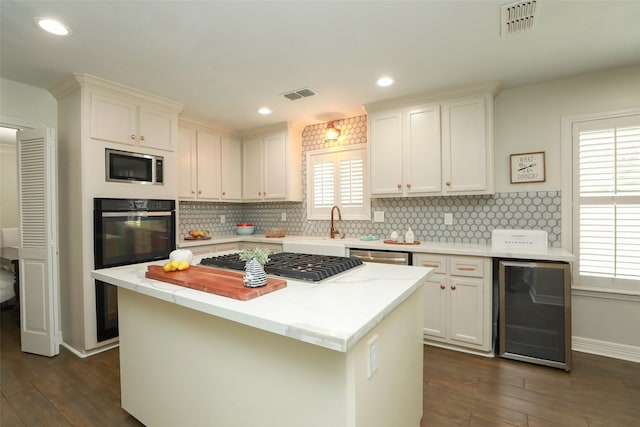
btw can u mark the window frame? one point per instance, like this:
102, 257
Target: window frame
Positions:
570, 206
336, 153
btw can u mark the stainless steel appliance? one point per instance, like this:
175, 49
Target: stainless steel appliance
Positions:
127, 231
313, 268
534, 319
125, 166
382, 257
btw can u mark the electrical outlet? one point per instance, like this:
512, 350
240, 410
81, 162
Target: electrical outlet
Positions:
378, 216
223, 219
448, 218
284, 216
372, 360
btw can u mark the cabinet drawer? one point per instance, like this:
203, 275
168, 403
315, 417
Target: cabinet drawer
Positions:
466, 266
437, 262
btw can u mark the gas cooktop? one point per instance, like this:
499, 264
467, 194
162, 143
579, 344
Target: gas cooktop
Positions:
314, 268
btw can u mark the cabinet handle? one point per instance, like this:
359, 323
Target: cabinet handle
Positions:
142, 138
431, 264
193, 192
448, 183
399, 186
224, 194
453, 287
199, 191
442, 286
133, 137
467, 268
409, 186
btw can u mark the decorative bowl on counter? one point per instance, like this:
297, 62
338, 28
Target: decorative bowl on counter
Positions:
275, 231
245, 228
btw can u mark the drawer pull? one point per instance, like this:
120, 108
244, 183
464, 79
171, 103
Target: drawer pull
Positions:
453, 287
142, 138
442, 286
133, 137
431, 264
467, 268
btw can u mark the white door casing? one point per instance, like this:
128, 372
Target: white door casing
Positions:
38, 245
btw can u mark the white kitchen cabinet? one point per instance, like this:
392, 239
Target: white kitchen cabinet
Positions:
210, 166
467, 147
272, 164
273, 247
440, 148
457, 301
208, 249
119, 119
404, 151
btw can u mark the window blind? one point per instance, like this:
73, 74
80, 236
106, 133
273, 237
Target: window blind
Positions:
609, 203
337, 176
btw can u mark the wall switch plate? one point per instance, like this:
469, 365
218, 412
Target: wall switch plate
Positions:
448, 218
284, 216
378, 216
372, 359
223, 219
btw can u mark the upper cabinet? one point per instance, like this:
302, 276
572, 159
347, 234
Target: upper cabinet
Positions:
210, 165
121, 119
439, 148
272, 164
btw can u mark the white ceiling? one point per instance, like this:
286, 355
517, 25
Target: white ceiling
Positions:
224, 60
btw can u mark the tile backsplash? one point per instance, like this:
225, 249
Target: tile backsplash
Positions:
473, 216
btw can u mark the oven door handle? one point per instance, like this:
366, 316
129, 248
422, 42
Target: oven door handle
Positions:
135, 213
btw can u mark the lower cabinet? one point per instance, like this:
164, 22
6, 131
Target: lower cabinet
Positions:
457, 300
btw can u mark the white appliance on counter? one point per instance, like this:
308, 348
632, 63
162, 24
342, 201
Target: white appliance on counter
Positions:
519, 240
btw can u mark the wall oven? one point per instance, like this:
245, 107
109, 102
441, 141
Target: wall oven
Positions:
127, 231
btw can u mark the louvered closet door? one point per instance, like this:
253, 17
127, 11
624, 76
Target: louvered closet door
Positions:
39, 312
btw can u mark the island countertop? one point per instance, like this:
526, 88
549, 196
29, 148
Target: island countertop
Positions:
335, 313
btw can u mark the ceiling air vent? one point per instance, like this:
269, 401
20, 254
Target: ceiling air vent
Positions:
300, 93
517, 17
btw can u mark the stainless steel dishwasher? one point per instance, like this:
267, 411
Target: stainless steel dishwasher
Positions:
382, 257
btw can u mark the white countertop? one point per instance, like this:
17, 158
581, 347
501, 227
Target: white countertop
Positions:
334, 314
445, 248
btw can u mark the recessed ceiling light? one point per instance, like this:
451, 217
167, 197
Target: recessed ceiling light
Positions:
264, 111
53, 26
384, 81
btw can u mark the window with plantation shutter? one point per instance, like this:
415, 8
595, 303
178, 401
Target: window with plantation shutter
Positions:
607, 203
337, 176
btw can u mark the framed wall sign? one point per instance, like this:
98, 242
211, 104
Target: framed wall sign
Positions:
527, 167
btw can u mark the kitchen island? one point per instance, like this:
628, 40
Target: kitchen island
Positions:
343, 352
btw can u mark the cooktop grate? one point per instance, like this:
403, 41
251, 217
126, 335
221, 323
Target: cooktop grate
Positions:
314, 268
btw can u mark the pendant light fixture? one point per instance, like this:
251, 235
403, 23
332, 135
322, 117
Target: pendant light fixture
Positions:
332, 133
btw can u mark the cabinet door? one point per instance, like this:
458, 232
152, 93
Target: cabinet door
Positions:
435, 303
466, 312
156, 128
187, 166
465, 146
231, 168
252, 170
385, 153
113, 120
208, 166
422, 162
275, 166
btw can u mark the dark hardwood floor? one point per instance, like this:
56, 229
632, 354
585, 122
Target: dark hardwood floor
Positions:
459, 389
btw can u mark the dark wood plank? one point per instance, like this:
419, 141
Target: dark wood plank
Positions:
459, 389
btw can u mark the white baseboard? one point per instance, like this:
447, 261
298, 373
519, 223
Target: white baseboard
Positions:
90, 352
605, 348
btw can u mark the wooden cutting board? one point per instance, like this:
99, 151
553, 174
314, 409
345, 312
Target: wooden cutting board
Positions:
214, 281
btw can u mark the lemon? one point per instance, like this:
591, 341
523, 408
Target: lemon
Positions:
168, 267
183, 265
175, 264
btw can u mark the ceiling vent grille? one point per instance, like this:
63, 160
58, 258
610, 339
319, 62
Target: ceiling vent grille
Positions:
517, 17
298, 94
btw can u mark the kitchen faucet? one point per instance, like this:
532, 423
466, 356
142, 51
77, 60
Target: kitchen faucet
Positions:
333, 232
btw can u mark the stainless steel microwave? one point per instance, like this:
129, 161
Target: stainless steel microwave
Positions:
125, 166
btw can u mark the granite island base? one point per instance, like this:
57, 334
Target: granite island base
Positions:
225, 363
